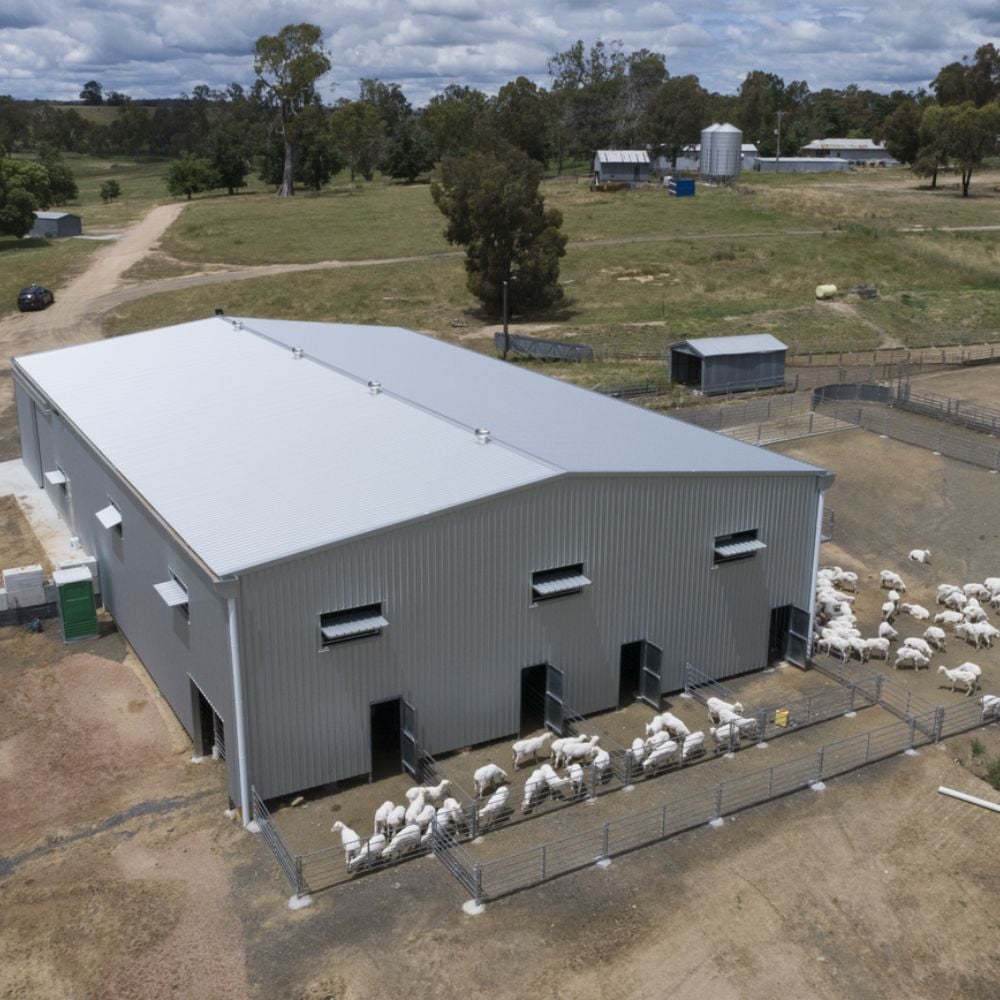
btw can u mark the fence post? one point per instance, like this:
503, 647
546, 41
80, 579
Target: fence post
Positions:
868, 746
477, 871
300, 882
938, 723
604, 840
474, 820
628, 768
879, 678
853, 691
718, 801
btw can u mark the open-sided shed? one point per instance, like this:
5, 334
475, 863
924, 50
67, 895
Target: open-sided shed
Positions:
621, 166
52, 224
728, 364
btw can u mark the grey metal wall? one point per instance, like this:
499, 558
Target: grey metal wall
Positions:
456, 591
733, 371
144, 554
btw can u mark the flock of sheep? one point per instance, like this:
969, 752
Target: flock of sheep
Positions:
837, 632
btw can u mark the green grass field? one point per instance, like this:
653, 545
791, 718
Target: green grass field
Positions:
51, 263
730, 260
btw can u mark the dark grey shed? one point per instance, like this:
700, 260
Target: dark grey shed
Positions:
728, 364
53, 224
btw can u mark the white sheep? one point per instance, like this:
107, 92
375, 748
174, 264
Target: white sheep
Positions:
350, 840
959, 676
978, 634
944, 589
426, 816
575, 774
886, 631
713, 705
638, 750
368, 854
395, 821
694, 744
920, 555
893, 596
534, 788
845, 577
978, 590
486, 777
907, 656
557, 746
949, 618
529, 748
920, 645
974, 612
450, 815
495, 805
878, 648
727, 736
557, 784
992, 584
991, 706
859, 647
416, 807
406, 840
661, 756
839, 645
577, 751
601, 763
917, 611
935, 636
382, 815
669, 722
657, 740
956, 600
889, 580
889, 611
433, 793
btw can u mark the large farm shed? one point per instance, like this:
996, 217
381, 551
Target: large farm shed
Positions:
55, 224
728, 364
328, 539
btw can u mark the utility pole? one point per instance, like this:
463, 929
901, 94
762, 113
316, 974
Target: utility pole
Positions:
777, 159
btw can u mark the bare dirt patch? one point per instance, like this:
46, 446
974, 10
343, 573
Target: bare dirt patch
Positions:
18, 545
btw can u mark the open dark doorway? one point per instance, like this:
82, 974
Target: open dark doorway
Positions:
386, 745
207, 732
533, 684
630, 663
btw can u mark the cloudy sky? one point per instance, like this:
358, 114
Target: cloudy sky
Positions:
49, 48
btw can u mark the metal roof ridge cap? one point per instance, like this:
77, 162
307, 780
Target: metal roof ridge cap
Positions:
383, 391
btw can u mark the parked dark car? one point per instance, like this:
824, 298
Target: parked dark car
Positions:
34, 297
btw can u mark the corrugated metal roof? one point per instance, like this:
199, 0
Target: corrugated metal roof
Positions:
748, 343
622, 156
251, 455
571, 428
52, 215
845, 144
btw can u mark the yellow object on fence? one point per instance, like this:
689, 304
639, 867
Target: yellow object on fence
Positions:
781, 716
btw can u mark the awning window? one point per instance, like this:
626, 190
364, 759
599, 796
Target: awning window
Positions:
172, 592
353, 623
739, 548
110, 516
558, 582
56, 477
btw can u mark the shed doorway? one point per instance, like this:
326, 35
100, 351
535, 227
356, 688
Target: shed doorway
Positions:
686, 368
386, 739
629, 665
639, 671
533, 682
207, 728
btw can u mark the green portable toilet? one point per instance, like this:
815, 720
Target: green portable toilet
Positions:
77, 608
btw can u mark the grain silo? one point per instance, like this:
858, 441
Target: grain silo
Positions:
727, 143
706, 156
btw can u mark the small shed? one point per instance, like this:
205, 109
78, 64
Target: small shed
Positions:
728, 364
53, 224
621, 166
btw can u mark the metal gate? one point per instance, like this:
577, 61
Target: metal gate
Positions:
408, 740
650, 665
790, 635
554, 712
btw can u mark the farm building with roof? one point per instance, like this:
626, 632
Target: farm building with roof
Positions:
738, 363
55, 224
328, 541
621, 166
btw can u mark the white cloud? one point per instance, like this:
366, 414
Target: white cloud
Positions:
49, 48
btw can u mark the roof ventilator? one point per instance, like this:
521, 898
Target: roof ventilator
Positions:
297, 352
482, 435
374, 387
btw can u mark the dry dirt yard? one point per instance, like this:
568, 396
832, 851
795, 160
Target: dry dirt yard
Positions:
120, 875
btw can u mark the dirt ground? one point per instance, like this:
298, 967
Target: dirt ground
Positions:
979, 386
120, 876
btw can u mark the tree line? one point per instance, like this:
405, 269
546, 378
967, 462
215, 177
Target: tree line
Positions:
599, 97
